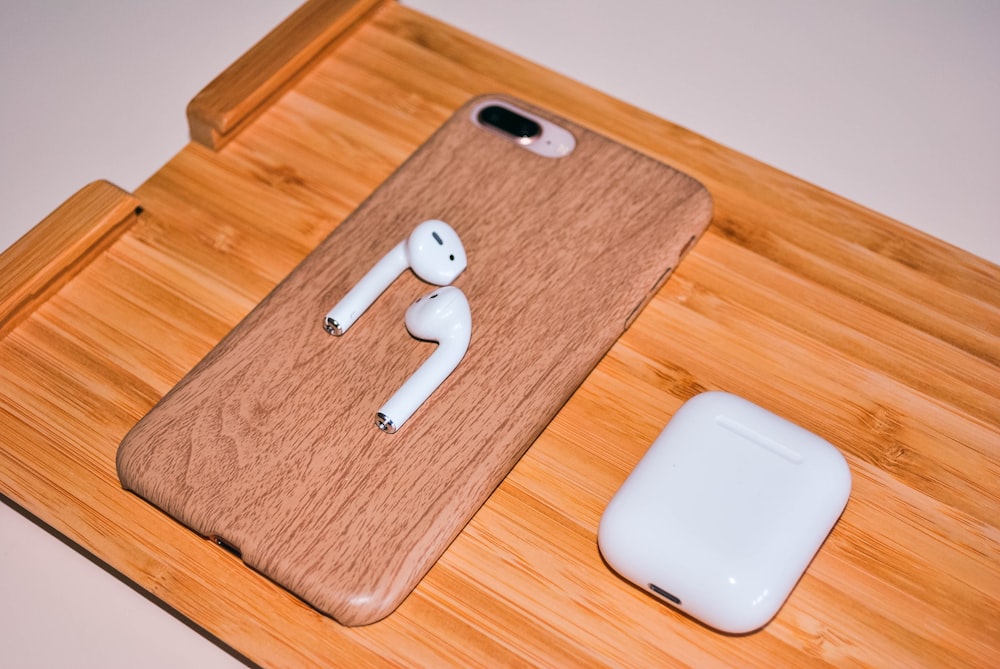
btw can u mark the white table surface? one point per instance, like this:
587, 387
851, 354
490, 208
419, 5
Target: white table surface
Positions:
890, 103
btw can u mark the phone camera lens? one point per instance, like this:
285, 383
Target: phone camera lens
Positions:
510, 122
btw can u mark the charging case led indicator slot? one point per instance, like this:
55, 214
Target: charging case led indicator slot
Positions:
663, 593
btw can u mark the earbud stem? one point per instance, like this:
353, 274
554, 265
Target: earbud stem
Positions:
420, 386
364, 293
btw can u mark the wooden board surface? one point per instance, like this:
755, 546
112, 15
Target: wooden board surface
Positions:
879, 339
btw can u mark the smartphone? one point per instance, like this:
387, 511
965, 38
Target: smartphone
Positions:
269, 446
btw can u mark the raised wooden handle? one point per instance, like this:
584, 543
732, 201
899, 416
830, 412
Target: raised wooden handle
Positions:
248, 86
56, 249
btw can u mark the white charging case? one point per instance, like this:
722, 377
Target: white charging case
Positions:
725, 511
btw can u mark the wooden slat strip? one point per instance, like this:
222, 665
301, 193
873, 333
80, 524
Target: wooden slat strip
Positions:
246, 88
56, 249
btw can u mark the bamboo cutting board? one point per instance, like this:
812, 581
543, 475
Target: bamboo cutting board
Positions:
879, 339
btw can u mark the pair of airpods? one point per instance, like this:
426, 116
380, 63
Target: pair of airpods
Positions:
435, 254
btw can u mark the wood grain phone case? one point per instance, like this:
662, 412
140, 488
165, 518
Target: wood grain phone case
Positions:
269, 443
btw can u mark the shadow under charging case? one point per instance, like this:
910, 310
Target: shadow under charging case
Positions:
725, 511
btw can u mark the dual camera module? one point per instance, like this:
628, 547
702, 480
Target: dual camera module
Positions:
535, 133
510, 122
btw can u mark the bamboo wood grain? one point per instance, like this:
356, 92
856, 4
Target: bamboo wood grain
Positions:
245, 88
49, 255
874, 336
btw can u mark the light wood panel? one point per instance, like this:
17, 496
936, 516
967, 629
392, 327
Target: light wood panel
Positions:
51, 253
247, 87
878, 338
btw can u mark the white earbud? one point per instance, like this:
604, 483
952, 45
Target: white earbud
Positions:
442, 316
433, 251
